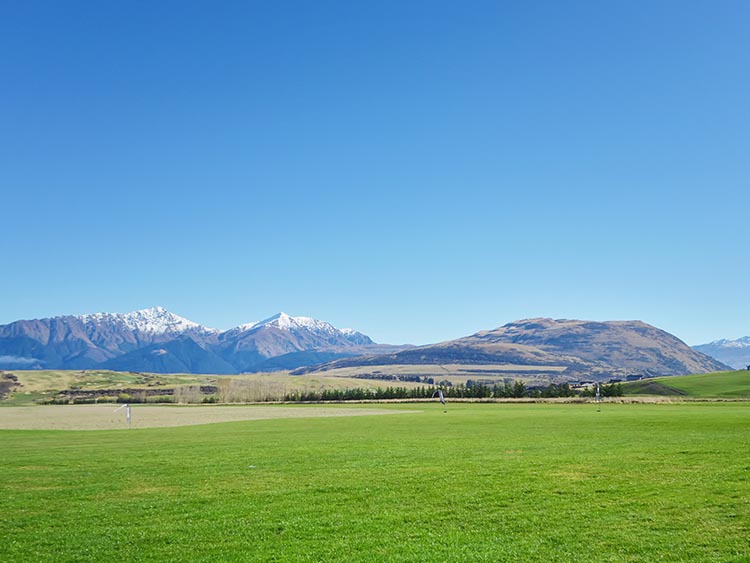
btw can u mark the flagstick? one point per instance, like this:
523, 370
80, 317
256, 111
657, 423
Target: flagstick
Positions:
126, 406
598, 399
441, 396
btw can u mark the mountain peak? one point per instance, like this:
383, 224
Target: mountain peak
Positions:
153, 320
281, 317
743, 342
157, 310
298, 326
285, 321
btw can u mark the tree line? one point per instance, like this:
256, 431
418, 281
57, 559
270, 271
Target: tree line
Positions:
516, 390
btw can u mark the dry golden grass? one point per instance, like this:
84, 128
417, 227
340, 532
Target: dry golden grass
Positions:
103, 417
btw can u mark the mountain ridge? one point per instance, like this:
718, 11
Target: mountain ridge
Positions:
124, 341
157, 340
598, 349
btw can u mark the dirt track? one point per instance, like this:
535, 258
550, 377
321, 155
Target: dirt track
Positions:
102, 417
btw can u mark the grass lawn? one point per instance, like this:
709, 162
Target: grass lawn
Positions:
484, 482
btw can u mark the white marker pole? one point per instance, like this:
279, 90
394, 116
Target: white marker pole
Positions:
440, 396
126, 406
598, 399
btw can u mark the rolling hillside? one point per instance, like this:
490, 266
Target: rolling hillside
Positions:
33, 386
726, 384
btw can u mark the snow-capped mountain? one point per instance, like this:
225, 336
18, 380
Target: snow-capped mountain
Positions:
283, 321
137, 341
356, 337
289, 341
735, 353
286, 322
154, 320
86, 341
743, 342
244, 327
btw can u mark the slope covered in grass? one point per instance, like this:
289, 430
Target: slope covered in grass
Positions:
482, 482
36, 385
726, 384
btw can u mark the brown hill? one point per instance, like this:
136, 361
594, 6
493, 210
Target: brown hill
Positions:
588, 349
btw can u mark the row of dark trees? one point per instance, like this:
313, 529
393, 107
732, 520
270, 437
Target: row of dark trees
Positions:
396, 377
360, 394
516, 390
610, 390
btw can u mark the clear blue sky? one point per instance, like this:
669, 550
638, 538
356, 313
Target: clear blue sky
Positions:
416, 170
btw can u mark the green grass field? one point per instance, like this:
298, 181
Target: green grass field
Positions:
725, 384
482, 482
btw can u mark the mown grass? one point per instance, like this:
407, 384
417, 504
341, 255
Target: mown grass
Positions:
725, 384
482, 482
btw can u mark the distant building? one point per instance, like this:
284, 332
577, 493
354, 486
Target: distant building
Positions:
634, 377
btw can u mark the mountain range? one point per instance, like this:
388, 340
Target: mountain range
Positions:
735, 353
159, 341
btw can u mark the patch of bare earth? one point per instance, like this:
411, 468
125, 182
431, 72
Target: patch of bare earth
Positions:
101, 417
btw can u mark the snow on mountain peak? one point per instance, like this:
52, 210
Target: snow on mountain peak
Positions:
158, 320
245, 326
284, 321
154, 320
743, 342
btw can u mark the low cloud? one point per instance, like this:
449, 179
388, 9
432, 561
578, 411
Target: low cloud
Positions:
20, 360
